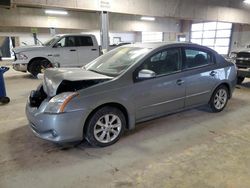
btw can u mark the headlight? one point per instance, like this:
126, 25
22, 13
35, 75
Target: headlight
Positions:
58, 103
21, 56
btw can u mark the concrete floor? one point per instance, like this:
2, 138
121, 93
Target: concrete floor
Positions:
194, 148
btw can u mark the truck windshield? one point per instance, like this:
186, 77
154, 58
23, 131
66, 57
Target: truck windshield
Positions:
51, 41
116, 61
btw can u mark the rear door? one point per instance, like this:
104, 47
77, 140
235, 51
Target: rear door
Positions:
87, 49
201, 75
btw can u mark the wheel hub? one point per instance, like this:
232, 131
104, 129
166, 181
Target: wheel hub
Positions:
220, 99
107, 128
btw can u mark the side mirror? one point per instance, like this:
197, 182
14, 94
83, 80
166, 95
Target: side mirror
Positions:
145, 74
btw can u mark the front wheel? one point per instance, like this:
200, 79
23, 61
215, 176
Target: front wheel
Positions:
39, 66
105, 127
219, 99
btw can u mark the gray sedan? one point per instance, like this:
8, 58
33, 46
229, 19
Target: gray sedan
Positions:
130, 84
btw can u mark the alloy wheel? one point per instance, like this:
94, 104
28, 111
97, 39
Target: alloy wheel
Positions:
220, 99
107, 128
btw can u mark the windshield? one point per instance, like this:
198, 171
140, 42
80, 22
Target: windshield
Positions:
116, 61
51, 41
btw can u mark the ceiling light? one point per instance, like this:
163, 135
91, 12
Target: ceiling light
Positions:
247, 1
59, 12
147, 18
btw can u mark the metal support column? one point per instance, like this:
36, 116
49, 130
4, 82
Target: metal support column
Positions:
35, 38
104, 31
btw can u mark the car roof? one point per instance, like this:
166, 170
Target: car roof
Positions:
154, 45
74, 34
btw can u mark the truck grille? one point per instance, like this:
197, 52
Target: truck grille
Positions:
243, 60
243, 55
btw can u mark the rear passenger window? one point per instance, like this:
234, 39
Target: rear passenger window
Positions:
84, 41
197, 58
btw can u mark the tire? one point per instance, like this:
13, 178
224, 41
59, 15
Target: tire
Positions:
4, 100
38, 66
240, 80
101, 124
219, 99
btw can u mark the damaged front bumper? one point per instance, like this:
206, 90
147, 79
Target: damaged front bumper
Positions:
58, 128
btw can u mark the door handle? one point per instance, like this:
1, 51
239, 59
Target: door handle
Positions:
179, 82
94, 49
213, 73
72, 50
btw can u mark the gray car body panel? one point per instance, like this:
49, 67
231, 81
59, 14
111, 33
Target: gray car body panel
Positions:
143, 100
55, 76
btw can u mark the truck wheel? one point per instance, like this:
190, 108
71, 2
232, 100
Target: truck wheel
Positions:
39, 66
240, 80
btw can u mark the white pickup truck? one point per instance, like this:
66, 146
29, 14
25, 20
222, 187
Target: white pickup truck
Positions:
67, 50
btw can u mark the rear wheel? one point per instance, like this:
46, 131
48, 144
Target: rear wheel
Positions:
219, 99
105, 127
38, 66
240, 79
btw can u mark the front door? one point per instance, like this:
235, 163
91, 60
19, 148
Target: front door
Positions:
165, 92
65, 53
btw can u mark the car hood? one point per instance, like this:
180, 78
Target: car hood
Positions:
241, 50
55, 76
27, 48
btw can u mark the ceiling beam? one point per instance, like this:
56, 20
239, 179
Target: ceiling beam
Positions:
212, 10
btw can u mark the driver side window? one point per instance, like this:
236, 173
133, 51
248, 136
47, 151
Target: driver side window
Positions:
67, 42
61, 43
165, 62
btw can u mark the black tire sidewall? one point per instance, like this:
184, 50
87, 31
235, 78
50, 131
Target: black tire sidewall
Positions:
89, 135
240, 80
45, 63
211, 103
32, 68
35, 66
4, 100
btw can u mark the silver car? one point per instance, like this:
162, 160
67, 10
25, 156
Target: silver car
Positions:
130, 84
